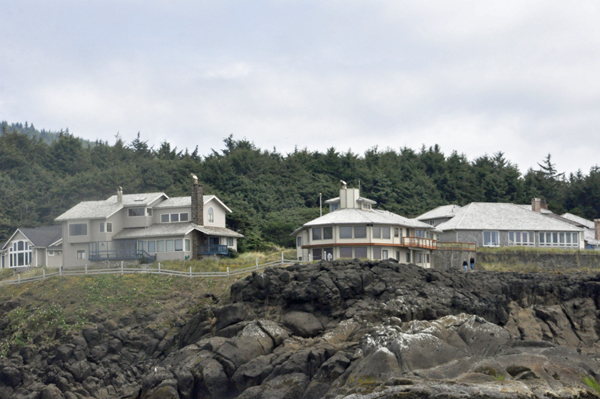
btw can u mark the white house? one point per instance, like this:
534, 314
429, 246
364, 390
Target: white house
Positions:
354, 229
146, 226
41, 246
591, 230
504, 224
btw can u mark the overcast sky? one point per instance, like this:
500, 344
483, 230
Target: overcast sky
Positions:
521, 77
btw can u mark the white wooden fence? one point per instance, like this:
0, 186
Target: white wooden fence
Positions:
143, 269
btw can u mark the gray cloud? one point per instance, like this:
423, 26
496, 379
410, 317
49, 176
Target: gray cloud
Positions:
518, 77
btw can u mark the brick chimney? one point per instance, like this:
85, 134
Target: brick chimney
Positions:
197, 202
597, 227
536, 205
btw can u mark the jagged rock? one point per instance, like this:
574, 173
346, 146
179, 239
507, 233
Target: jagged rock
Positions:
216, 380
289, 386
230, 314
10, 376
51, 392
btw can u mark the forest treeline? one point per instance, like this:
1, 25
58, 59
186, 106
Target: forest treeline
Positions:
271, 194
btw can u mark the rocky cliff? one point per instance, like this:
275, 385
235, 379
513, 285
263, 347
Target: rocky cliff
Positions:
342, 329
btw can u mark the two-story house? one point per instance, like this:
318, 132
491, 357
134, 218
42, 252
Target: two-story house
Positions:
354, 229
147, 226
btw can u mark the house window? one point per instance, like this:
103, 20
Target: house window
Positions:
149, 211
327, 233
81, 254
376, 252
109, 227
151, 246
562, 239
134, 212
419, 257
490, 239
316, 234
168, 245
299, 241
420, 233
50, 253
396, 232
427, 258
521, 238
384, 254
164, 218
184, 217
334, 207
20, 254
408, 257
178, 245
101, 224
398, 256
187, 246
376, 233
345, 231
174, 217
385, 233
317, 253
360, 252
160, 246
78, 229
345, 252
360, 231
230, 241
211, 215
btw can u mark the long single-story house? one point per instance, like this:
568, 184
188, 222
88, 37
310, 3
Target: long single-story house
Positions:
504, 224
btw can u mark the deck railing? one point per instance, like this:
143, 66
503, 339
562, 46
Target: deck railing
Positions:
419, 242
213, 249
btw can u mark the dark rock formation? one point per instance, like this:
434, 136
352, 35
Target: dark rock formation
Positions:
341, 329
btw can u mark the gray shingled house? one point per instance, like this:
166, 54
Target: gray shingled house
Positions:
32, 247
146, 226
504, 224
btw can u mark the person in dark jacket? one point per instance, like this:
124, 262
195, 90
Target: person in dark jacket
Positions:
472, 263
465, 266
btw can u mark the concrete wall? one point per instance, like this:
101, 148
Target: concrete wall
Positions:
448, 259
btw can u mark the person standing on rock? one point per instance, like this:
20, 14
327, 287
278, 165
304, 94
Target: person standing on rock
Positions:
465, 266
472, 263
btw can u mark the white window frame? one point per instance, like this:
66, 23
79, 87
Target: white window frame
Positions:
211, 215
81, 254
491, 242
14, 253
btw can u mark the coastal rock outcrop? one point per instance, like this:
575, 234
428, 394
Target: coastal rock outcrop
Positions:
342, 329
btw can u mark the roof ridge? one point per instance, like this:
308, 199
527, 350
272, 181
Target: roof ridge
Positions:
464, 214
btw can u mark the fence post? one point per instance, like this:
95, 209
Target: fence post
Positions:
19, 278
227, 271
86, 268
44, 273
190, 271
60, 271
282, 257
158, 267
256, 263
121, 268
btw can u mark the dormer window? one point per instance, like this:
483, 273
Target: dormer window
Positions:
134, 212
211, 215
334, 207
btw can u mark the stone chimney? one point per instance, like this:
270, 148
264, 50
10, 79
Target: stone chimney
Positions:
120, 195
597, 227
536, 205
197, 202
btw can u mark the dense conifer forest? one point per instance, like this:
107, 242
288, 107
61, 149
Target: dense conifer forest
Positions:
42, 174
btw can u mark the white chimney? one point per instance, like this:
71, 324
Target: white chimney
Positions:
120, 195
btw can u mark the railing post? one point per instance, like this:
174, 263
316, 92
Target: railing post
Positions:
121, 268
44, 273
158, 267
60, 271
227, 271
282, 257
190, 271
86, 268
19, 278
256, 263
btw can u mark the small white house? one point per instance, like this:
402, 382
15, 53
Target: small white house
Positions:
354, 229
33, 247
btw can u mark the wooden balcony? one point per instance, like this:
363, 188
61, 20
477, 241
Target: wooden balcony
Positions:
419, 242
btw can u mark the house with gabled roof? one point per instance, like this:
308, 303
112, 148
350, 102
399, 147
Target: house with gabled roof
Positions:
353, 228
32, 247
504, 224
146, 227
591, 230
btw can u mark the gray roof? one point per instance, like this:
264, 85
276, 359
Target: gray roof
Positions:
444, 211
143, 199
365, 216
528, 208
172, 229
501, 216
336, 200
40, 236
107, 208
578, 219
186, 202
